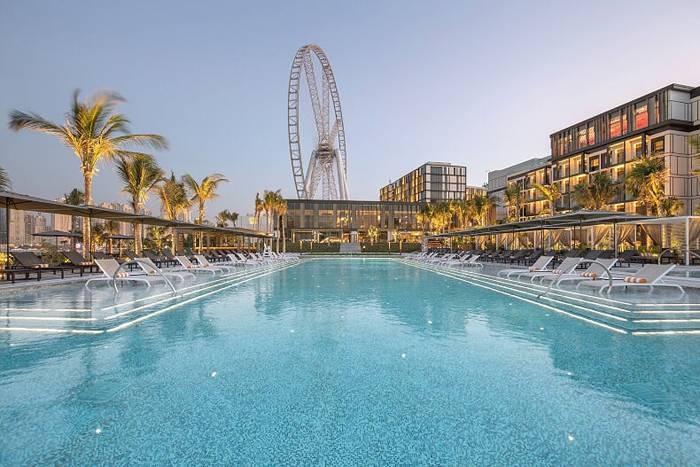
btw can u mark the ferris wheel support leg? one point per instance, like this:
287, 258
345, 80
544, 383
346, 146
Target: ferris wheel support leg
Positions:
309, 184
342, 179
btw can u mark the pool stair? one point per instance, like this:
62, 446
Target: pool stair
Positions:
612, 312
115, 316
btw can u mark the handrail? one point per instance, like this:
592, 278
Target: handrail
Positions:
607, 271
146, 269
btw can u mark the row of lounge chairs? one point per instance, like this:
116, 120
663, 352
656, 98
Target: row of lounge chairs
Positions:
586, 271
147, 271
27, 263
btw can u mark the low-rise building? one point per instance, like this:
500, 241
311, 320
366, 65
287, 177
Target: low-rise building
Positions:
349, 221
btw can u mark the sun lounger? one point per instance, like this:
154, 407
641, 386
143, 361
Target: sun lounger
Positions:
593, 272
151, 269
76, 260
538, 266
203, 262
649, 275
111, 272
566, 267
188, 266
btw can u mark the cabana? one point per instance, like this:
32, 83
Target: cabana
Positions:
546, 232
681, 233
10, 200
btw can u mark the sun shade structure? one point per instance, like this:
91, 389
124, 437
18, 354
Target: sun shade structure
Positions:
574, 220
10, 200
682, 232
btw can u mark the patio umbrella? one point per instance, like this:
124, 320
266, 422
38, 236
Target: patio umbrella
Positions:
57, 234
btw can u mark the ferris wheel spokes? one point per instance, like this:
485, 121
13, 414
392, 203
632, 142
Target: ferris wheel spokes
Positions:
328, 159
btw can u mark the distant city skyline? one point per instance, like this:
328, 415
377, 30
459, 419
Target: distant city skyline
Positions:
471, 83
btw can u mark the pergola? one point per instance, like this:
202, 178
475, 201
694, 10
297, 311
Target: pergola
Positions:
22, 202
684, 231
569, 221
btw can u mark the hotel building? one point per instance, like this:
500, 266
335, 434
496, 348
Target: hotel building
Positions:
349, 221
430, 183
658, 124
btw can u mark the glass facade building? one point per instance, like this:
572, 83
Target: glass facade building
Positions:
431, 182
661, 124
343, 220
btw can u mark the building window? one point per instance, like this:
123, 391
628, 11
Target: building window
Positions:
591, 134
581, 136
615, 126
641, 116
657, 145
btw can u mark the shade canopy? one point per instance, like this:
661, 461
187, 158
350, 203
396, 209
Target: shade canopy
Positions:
580, 218
57, 233
22, 202
120, 237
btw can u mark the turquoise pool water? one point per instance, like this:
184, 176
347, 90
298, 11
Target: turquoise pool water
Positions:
351, 362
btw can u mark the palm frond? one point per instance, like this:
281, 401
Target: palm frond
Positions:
20, 120
149, 140
5, 183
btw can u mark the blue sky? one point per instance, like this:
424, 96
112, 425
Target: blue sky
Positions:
475, 83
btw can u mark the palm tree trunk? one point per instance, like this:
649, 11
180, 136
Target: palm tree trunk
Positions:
87, 240
137, 237
284, 237
200, 220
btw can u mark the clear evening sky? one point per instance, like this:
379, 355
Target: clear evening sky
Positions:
475, 83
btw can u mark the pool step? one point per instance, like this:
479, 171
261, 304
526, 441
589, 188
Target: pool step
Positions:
610, 313
115, 317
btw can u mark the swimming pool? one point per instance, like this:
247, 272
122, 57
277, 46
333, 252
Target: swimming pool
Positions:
351, 362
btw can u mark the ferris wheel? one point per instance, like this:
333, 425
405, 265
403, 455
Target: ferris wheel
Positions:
326, 173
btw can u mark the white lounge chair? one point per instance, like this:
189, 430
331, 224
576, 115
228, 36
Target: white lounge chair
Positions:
471, 261
111, 272
567, 266
649, 275
151, 269
204, 263
188, 266
593, 272
540, 265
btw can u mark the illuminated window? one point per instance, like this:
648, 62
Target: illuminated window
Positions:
657, 145
591, 134
641, 116
582, 136
615, 126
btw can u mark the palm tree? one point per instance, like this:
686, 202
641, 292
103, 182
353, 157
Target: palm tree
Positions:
140, 175
513, 200
442, 216
597, 194
5, 183
282, 213
671, 206
74, 198
223, 218
425, 215
94, 132
259, 209
269, 205
373, 233
551, 193
174, 201
201, 193
646, 182
482, 208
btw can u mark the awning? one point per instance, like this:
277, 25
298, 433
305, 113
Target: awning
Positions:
22, 202
580, 218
